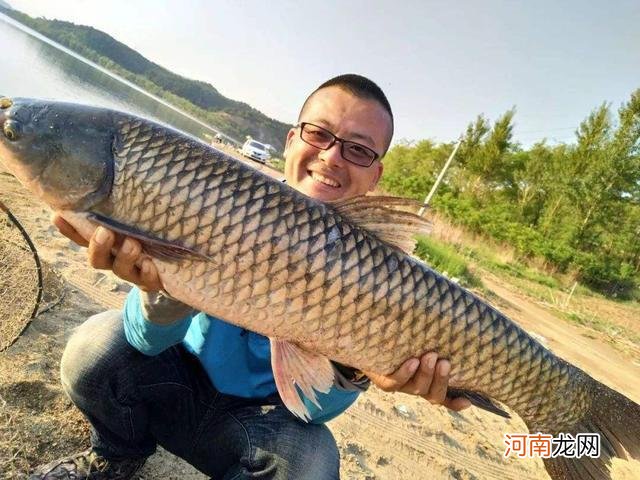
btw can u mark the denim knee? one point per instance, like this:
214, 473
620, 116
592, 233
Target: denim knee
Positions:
92, 352
315, 457
322, 459
281, 447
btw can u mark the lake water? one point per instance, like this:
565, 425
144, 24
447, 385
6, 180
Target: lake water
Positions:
35, 67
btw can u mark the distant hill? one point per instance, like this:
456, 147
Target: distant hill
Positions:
5, 5
234, 118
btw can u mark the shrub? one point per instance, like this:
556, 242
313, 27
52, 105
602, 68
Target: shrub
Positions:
445, 260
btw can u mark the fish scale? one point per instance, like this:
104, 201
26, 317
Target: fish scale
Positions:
322, 281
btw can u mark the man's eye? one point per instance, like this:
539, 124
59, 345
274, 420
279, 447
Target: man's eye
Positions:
319, 134
359, 150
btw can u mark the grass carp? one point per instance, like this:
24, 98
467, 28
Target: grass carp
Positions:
322, 281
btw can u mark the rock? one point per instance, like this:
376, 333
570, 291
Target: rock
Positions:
404, 411
121, 287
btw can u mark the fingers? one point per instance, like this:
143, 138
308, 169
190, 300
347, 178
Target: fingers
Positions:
129, 266
100, 246
149, 277
398, 379
439, 382
125, 260
421, 383
427, 377
67, 230
437, 393
105, 253
422, 377
415, 377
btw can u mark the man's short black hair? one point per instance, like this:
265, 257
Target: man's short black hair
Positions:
358, 86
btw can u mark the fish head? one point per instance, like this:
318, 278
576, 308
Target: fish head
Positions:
61, 152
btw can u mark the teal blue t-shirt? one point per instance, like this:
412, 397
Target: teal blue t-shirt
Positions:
237, 361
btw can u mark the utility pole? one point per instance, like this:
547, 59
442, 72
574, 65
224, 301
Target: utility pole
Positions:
439, 179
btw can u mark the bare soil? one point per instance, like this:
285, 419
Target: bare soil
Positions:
383, 436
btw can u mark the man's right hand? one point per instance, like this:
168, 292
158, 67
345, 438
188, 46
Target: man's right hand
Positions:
109, 251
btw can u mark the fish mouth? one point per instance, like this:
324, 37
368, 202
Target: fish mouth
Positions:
5, 103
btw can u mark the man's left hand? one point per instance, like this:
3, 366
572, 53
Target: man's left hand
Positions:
426, 377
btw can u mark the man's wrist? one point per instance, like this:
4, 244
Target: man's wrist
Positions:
162, 309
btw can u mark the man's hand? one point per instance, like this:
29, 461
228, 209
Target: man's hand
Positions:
122, 255
427, 377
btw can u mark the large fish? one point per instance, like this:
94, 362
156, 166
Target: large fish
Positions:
322, 281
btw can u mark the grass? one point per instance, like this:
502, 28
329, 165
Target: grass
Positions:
446, 260
276, 164
458, 253
521, 271
585, 307
614, 331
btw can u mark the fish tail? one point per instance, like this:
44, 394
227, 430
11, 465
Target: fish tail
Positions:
616, 419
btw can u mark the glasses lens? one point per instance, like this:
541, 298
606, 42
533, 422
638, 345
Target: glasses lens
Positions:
324, 139
358, 154
316, 136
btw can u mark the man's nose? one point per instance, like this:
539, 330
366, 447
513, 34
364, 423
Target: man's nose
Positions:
333, 156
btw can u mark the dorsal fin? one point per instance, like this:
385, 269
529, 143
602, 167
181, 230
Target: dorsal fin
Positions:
387, 218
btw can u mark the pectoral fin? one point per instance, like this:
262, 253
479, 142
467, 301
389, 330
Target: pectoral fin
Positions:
154, 246
478, 400
295, 367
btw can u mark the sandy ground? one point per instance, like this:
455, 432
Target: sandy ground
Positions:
383, 436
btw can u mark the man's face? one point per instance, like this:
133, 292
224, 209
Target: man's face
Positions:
324, 174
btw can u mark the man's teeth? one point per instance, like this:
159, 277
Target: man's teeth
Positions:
322, 179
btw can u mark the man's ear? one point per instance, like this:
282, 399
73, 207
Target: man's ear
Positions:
379, 169
287, 143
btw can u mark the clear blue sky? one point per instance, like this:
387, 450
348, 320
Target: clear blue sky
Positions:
440, 63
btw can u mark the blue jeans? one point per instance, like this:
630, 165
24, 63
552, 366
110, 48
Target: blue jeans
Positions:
135, 402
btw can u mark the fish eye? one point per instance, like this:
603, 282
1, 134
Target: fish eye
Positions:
12, 130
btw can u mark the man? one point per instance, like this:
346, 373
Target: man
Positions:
160, 373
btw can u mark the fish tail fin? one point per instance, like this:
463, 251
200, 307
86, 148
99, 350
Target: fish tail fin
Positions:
616, 419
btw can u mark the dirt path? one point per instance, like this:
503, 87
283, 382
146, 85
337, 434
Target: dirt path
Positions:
579, 345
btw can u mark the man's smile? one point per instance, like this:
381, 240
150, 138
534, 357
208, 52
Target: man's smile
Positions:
325, 180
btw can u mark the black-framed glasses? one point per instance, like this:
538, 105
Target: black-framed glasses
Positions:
323, 139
